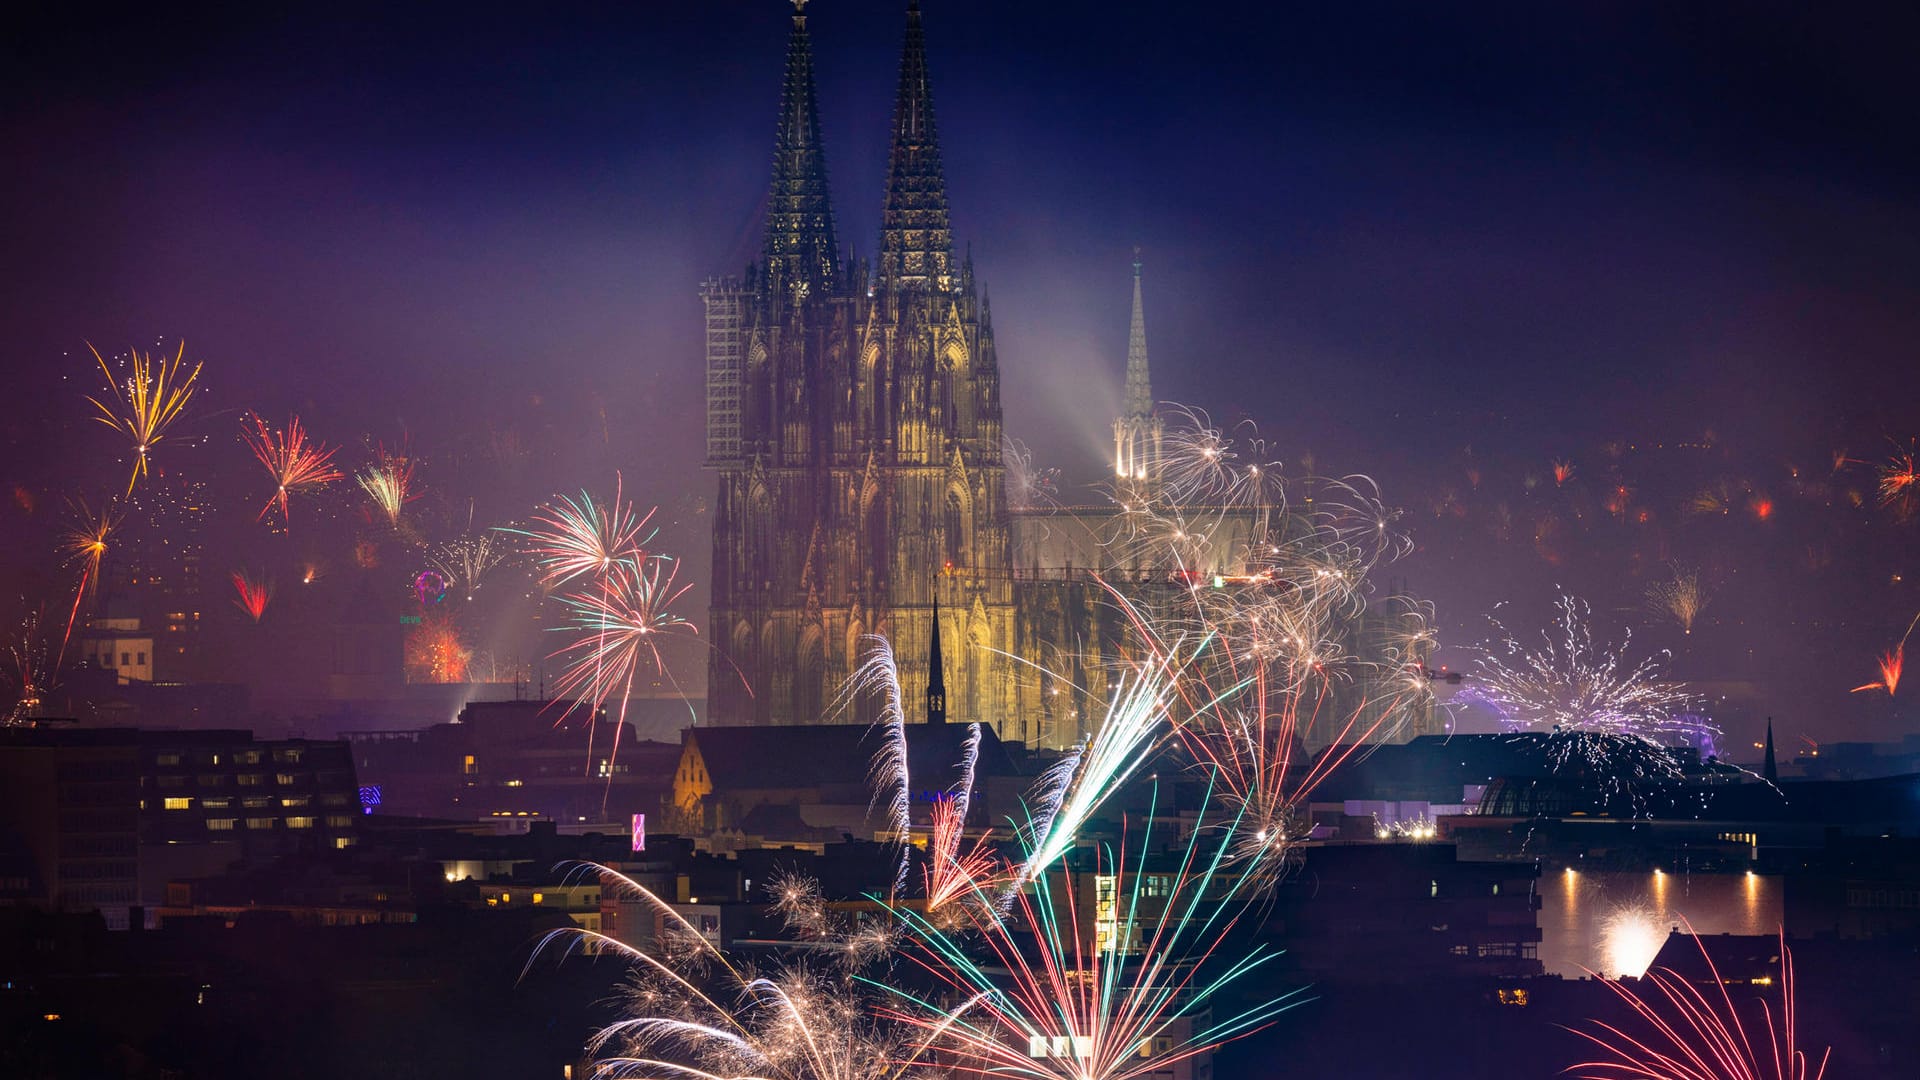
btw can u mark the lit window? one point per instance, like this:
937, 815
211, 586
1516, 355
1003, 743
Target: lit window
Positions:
342, 842
296, 800
301, 822
167, 759
539, 897
284, 779
252, 779
174, 802
260, 823
220, 824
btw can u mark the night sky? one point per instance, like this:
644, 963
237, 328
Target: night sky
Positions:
1673, 248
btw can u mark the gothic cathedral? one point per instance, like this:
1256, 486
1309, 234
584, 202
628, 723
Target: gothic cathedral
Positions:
853, 419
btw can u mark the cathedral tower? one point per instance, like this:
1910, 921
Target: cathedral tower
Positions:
853, 422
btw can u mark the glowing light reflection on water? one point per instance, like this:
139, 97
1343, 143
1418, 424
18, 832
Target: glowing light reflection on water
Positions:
1614, 923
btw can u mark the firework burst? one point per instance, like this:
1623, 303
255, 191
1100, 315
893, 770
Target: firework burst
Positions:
618, 626
251, 594
147, 404
1890, 664
1681, 599
1028, 487
572, 539
389, 483
294, 463
1614, 720
1900, 484
465, 561
1691, 1034
1119, 989
700, 1015
1283, 643
437, 652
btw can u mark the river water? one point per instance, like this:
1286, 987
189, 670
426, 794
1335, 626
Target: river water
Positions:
1614, 923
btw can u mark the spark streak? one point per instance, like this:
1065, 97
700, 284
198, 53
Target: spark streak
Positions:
1696, 1035
252, 594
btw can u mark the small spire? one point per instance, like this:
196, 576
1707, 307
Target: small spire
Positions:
936, 667
1769, 771
1139, 399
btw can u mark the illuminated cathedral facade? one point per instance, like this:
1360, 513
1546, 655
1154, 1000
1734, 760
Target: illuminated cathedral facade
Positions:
854, 426
853, 419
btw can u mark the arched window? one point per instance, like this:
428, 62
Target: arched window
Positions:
955, 528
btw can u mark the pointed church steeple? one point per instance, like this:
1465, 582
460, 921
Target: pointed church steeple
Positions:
936, 668
1769, 771
1139, 400
1138, 431
800, 241
916, 239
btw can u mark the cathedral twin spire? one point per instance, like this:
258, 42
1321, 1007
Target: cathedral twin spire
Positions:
800, 241
916, 239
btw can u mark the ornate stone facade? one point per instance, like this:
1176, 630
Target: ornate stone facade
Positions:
854, 424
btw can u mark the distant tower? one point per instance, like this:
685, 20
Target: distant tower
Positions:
1136, 434
1768, 769
936, 669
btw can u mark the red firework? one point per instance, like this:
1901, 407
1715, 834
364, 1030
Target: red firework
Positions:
253, 594
294, 463
1698, 1036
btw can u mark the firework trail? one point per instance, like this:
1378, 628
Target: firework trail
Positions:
251, 594
1890, 664
795, 1023
86, 544
1074, 788
952, 875
389, 483
1900, 484
1612, 720
1682, 599
31, 673
147, 404
1105, 986
879, 675
1695, 1035
1562, 472
295, 464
